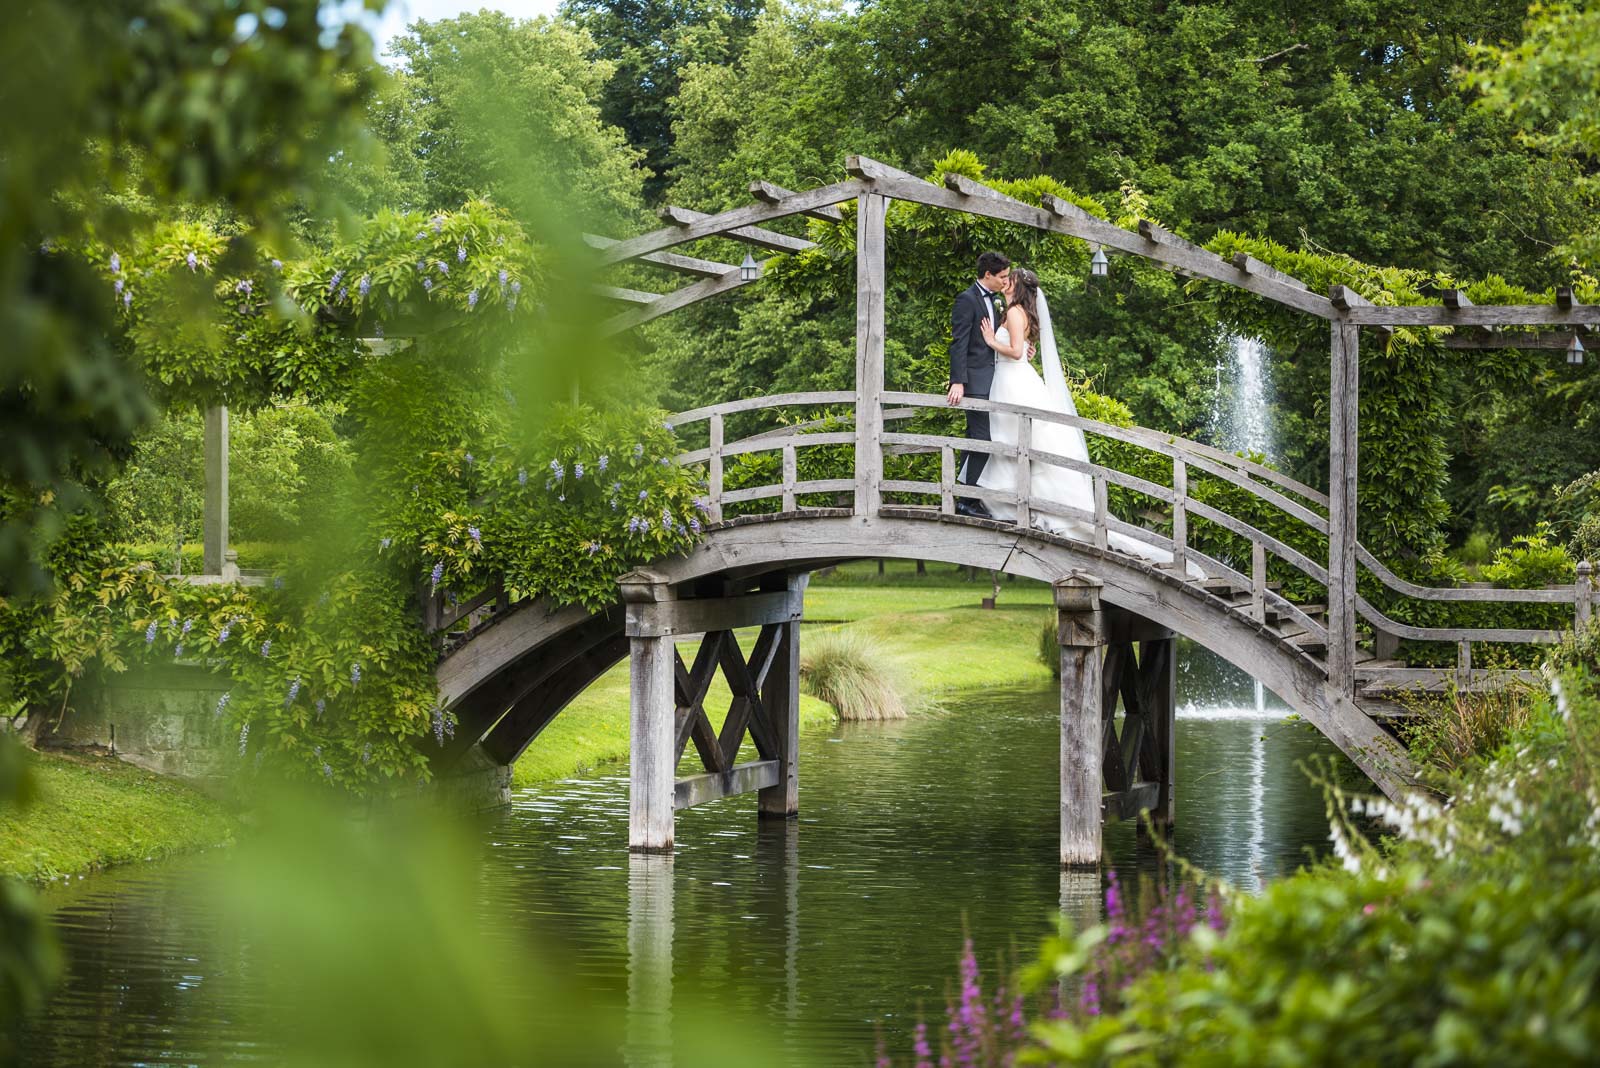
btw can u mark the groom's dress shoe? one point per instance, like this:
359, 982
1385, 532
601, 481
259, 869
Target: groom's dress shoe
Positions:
976, 509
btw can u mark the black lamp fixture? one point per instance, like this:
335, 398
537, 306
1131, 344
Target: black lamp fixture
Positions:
1098, 264
1575, 351
749, 270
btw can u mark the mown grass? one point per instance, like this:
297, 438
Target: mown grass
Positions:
97, 812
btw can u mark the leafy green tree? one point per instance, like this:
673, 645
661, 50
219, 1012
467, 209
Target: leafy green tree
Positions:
490, 106
647, 46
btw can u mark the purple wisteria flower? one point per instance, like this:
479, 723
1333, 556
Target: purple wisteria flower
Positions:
667, 427
511, 303
377, 329
577, 472
504, 274
244, 738
694, 525
294, 691
472, 299
603, 462
522, 476
644, 495
188, 625
178, 651
355, 674
468, 459
327, 772
633, 524
277, 265
437, 575
461, 254
364, 286
127, 298
557, 472
266, 647
594, 547
322, 706
666, 520
222, 635
422, 235
150, 632
333, 283
366, 753
116, 263
427, 283
438, 223
344, 293
422, 265
438, 726
116, 287
384, 543
638, 451
244, 287
516, 288
222, 702
192, 260
444, 268
476, 535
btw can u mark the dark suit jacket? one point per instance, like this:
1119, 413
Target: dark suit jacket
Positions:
971, 360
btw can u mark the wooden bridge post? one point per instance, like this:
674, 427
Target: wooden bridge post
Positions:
652, 742
870, 211
1344, 402
781, 696
1080, 629
647, 1038
1583, 600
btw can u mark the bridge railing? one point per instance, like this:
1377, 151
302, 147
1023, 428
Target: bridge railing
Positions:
1294, 510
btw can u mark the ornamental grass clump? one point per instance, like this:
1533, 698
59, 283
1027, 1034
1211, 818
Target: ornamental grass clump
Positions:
849, 672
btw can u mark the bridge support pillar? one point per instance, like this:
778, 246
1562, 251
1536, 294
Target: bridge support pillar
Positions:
1080, 631
668, 699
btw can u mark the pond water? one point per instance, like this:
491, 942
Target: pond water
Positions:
828, 927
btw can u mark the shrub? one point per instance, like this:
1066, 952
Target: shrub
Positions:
848, 671
1452, 730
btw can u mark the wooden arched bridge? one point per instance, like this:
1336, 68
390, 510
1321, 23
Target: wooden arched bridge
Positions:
508, 669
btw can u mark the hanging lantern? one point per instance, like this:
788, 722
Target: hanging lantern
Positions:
1099, 265
749, 270
1575, 351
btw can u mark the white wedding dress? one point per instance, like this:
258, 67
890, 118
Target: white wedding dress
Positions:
1016, 382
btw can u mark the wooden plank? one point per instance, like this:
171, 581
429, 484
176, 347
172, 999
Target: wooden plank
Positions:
947, 479
1176, 253
751, 235
651, 748
1537, 341
1258, 582
1158, 676
1079, 630
790, 467
776, 400
679, 298
1479, 594
1344, 404
1101, 514
1583, 598
1024, 472
1480, 315
625, 296
672, 261
714, 457
705, 614
692, 687
1248, 264
1113, 665
711, 786
1180, 516
780, 697
870, 287
1505, 635
768, 193
537, 704
738, 218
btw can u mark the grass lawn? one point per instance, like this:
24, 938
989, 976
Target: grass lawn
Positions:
95, 812
931, 627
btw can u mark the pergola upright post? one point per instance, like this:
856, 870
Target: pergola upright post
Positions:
215, 523
1344, 403
871, 209
1080, 631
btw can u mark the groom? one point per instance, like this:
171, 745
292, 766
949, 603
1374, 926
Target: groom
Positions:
972, 364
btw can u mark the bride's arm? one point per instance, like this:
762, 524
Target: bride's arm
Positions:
1016, 328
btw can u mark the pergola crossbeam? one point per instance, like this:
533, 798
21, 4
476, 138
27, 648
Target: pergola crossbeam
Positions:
1497, 340
768, 193
671, 302
672, 261
1477, 315
754, 235
965, 194
626, 296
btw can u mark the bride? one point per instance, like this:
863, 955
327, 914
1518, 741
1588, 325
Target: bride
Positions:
1016, 382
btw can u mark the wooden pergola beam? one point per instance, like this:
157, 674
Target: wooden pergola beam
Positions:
718, 225
768, 193
678, 298
1535, 341
626, 296
964, 194
672, 261
754, 235
1477, 315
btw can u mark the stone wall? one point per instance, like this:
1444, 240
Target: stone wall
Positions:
161, 718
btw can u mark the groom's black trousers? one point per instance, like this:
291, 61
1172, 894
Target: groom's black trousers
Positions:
972, 463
